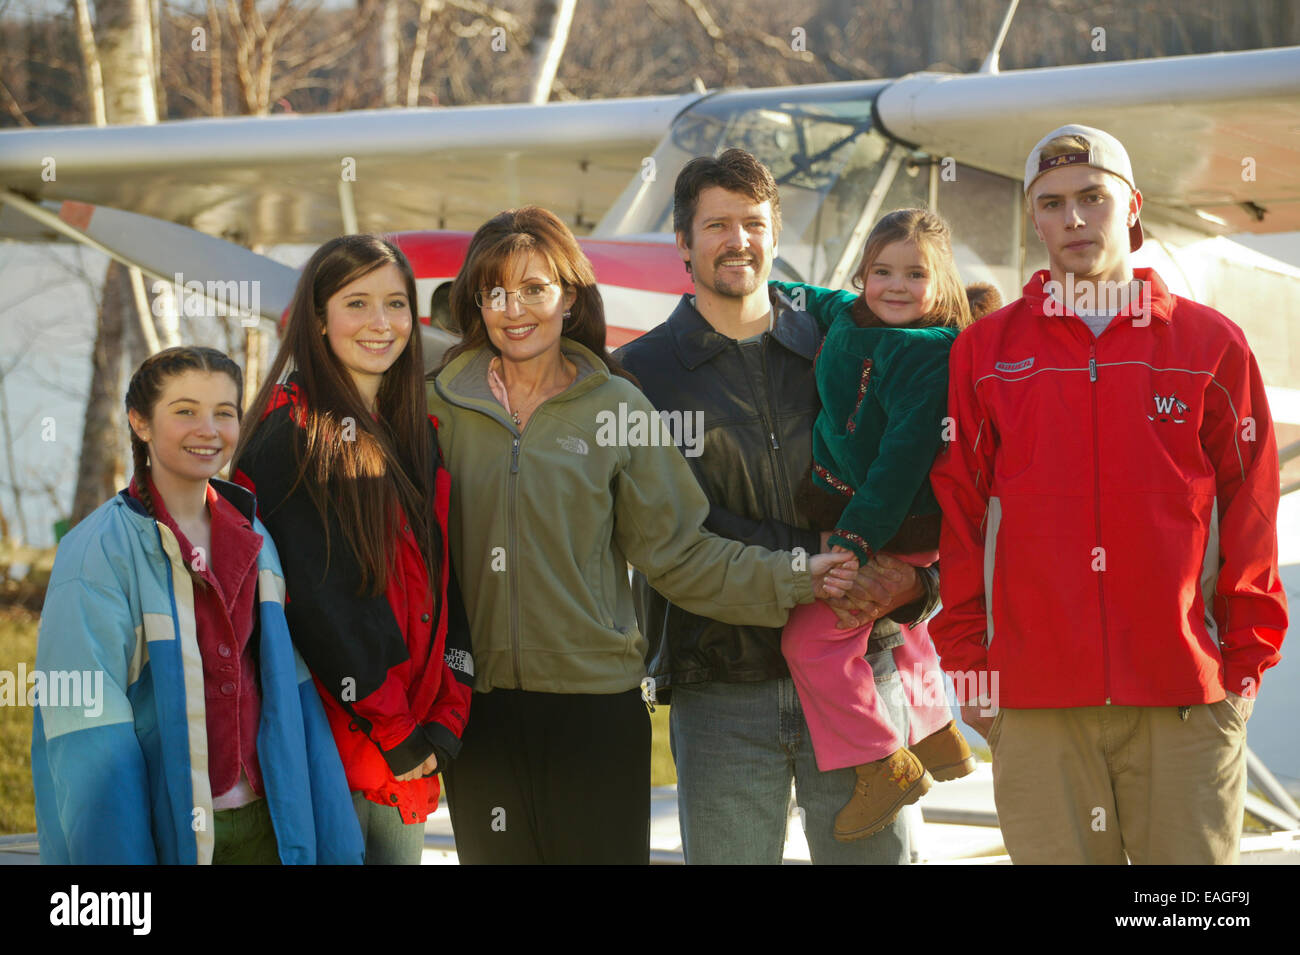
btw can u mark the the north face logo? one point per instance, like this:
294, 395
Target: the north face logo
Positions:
572, 444
1167, 407
459, 660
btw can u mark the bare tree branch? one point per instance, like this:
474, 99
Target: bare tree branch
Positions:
216, 105
12, 107
780, 45
715, 33
498, 16
9, 445
416, 69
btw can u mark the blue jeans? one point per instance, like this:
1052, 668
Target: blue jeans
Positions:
388, 840
738, 746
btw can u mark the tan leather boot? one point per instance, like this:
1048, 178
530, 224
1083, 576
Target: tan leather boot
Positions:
883, 789
945, 754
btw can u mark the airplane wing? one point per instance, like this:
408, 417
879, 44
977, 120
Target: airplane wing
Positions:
1217, 136
1212, 136
286, 178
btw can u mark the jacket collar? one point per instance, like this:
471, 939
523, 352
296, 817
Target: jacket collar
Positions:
696, 341
1162, 300
240, 497
464, 382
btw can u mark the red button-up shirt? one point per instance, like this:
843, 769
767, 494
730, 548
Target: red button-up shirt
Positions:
223, 616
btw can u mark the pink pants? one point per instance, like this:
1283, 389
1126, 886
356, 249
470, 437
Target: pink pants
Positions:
847, 719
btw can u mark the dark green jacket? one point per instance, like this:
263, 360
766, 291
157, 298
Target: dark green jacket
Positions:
884, 394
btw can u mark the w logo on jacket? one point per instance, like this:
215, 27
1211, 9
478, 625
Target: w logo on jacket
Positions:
1166, 407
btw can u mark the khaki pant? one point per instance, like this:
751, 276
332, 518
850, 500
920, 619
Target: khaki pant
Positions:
245, 836
1096, 783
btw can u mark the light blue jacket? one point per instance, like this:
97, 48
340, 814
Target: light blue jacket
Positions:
121, 769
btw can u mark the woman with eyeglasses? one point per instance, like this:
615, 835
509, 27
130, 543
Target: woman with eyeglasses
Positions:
570, 474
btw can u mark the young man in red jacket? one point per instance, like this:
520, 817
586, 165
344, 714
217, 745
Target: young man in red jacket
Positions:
1109, 546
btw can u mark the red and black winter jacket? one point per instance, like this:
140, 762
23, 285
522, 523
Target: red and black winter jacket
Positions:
395, 671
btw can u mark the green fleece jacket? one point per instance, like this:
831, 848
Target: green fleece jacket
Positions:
884, 393
544, 523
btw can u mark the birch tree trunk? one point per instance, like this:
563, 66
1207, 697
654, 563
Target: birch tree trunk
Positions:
125, 41
122, 53
388, 43
155, 57
554, 19
90, 60
100, 470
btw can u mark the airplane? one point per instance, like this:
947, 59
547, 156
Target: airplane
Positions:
1214, 141
841, 153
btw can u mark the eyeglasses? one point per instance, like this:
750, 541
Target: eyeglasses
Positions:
497, 298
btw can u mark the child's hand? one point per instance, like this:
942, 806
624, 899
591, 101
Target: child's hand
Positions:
974, 716
833, 574
882, 586
426, 768
1242, 705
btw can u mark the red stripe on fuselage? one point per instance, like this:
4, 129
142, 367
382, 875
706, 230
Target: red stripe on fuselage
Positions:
651, 266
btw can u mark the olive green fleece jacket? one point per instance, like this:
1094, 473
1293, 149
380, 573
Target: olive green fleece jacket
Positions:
544, 523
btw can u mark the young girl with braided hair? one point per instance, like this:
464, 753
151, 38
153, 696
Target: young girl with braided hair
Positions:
196, 736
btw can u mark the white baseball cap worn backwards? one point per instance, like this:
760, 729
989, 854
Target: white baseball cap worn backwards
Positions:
1104, 152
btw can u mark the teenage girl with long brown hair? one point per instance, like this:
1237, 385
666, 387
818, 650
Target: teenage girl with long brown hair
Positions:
346, 466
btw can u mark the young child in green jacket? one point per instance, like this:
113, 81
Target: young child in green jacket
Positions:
882, 375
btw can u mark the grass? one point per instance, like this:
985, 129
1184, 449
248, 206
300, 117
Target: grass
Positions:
17, 803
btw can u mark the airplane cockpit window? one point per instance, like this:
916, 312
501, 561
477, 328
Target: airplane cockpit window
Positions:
837, 176
820, 147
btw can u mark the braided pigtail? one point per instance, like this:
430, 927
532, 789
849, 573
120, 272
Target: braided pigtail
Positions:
140, 473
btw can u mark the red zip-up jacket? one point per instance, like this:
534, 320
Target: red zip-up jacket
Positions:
395, 671
1109, 508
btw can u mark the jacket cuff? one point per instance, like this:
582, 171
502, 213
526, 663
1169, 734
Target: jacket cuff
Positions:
885, 635
810, 541
443, 740
1242, 680
443, 759
409, 753
922, 608
854, 542
803, 588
